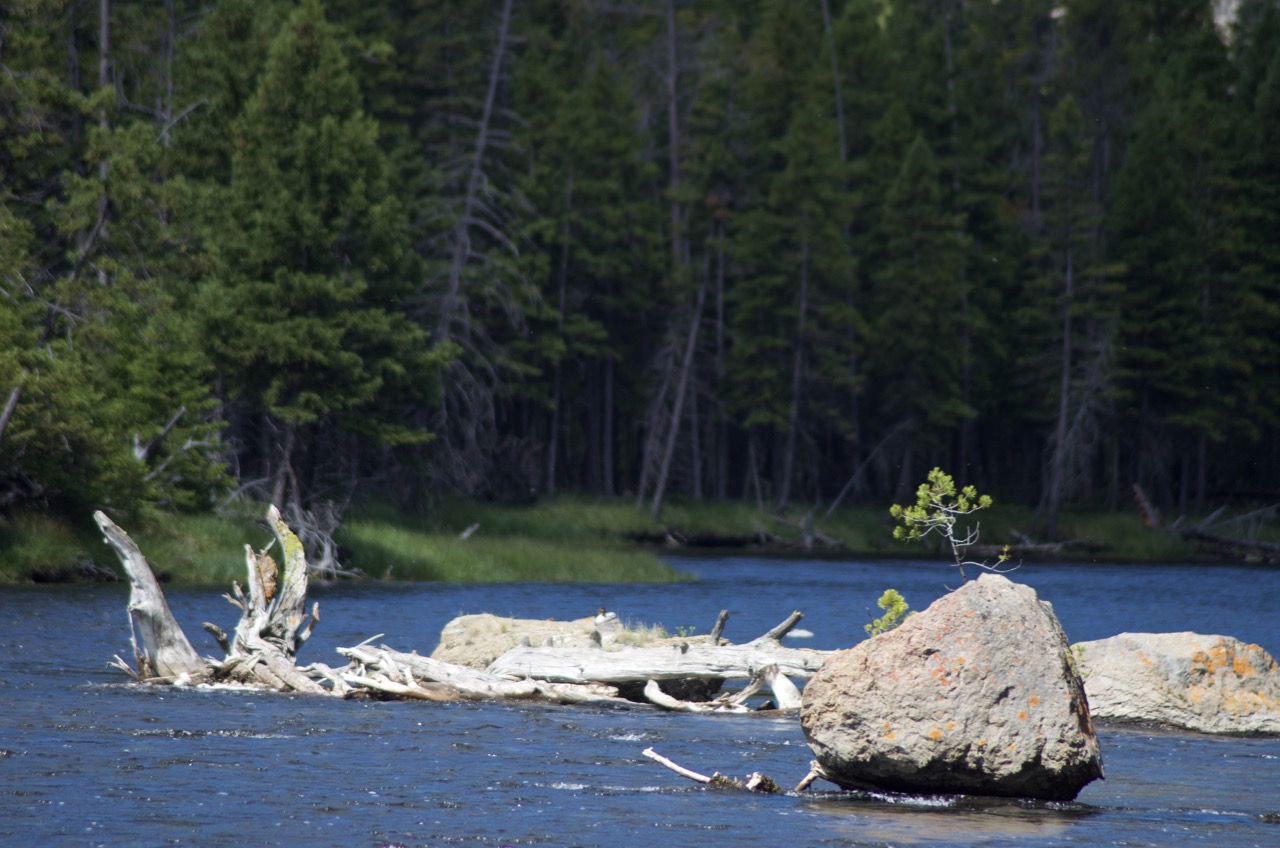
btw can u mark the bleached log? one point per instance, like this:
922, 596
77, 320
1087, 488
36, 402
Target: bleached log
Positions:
165, 652
427, 692
675, 767
668, 662
756, 782
470, 682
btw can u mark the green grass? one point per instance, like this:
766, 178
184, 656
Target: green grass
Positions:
36, 548
182, 548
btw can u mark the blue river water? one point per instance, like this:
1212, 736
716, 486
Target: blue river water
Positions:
87, 759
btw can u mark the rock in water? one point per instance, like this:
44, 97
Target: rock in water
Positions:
978, 694
1210, 684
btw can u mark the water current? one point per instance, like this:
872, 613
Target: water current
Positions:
87, 759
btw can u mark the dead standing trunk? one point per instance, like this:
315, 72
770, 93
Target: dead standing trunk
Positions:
797, 377
164, 652
553, 436
462, 230
682, 388
9, 406
273, 622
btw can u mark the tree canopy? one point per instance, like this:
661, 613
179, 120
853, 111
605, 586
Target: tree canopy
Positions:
770, 249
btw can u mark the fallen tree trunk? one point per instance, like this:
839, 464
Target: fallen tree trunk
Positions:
375, 667
626, 665
1250, 550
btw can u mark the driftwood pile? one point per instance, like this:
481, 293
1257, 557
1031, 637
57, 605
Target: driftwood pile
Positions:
274, 624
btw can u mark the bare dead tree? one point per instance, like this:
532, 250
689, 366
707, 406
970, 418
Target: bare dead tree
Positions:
682, 388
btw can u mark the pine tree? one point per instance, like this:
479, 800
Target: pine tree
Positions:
1161, 339
915, 349
305, 318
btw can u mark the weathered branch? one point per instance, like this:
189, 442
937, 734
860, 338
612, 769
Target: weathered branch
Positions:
721, 620
782, 629
9, 406
815, 771
143, 451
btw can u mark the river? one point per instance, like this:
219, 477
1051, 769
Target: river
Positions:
87, 759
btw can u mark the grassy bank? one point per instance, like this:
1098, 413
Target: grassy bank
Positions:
569, 538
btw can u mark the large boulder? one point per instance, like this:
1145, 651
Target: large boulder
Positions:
475, 641
1211, 684
977, 694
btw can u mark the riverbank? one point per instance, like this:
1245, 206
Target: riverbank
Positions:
565, 539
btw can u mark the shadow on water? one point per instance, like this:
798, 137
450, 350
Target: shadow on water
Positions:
946, 819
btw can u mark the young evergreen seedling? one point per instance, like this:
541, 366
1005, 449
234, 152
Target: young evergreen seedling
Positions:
939, 506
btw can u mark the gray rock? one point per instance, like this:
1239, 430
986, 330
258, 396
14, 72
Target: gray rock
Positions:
1210, 684
977, 694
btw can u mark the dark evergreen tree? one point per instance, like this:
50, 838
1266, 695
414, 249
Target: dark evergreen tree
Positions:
305, 316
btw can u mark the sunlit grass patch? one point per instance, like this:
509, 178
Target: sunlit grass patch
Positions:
383, 549
205, 549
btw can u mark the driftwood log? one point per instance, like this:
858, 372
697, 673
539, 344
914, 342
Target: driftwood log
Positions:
624, 665
392, 672
275, 623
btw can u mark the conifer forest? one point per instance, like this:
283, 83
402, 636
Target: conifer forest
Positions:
787, 251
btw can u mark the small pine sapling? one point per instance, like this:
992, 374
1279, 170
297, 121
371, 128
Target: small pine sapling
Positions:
939, 506
896, 611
